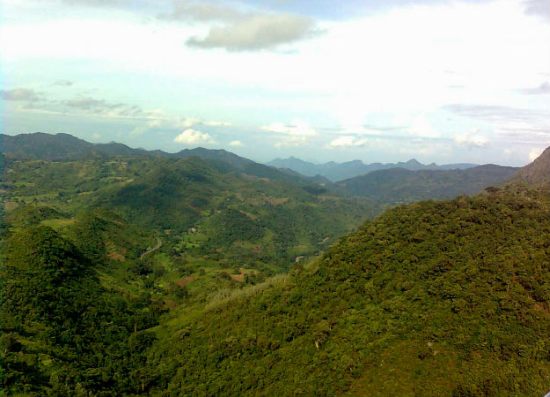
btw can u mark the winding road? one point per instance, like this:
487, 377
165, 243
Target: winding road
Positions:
151, 250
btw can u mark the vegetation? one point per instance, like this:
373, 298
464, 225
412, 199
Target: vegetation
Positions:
433, 299
143, 275
398, 185
62, 332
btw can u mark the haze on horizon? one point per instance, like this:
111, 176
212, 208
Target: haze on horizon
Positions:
438, 80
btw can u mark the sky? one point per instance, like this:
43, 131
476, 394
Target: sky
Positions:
441, 81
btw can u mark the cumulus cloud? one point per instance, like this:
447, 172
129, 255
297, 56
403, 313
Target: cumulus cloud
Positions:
194, 137
348, 141
542, 89
236, 30
20, 94
471, 140
236, 143
258, 32
297, 133
297, 128
422, 128
539, 8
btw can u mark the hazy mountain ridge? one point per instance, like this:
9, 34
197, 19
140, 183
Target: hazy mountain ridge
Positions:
398, 185
341, 171
65, 147
61, 146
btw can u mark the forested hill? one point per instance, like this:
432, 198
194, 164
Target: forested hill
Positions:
146, 275
399, 185
42, 146
252, 214
432, 299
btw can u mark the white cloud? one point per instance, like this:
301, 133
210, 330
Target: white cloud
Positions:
423, 128
471, 139
346, 142
194, 137
534, 153
215, 123
542, 89
236, 143
236, 30
415, 52
296, 128
297, 133
188, 122
257, 32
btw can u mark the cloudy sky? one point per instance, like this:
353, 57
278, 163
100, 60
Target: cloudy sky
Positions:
437, 80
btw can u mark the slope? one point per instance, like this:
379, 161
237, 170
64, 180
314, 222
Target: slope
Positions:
249, 212
400, 185
434, 299
251, 218
536, 173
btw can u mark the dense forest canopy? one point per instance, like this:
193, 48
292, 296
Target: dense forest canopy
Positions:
131, 273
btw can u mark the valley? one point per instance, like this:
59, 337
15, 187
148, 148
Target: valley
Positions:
128, 272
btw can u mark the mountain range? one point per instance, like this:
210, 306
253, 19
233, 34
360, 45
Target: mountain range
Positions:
381, 183
399, 185
129, 272
340, 171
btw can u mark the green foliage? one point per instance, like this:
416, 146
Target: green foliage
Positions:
400, 185
62, 333
433, 299
158, 276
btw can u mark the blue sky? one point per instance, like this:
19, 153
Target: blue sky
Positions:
437, 80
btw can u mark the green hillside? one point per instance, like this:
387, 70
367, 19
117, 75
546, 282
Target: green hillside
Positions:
432, 299
200, 206
215, 275
400, 185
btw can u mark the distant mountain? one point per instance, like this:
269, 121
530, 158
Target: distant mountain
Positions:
537, 172
269, 209
42, 146
399, 185
340, 171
